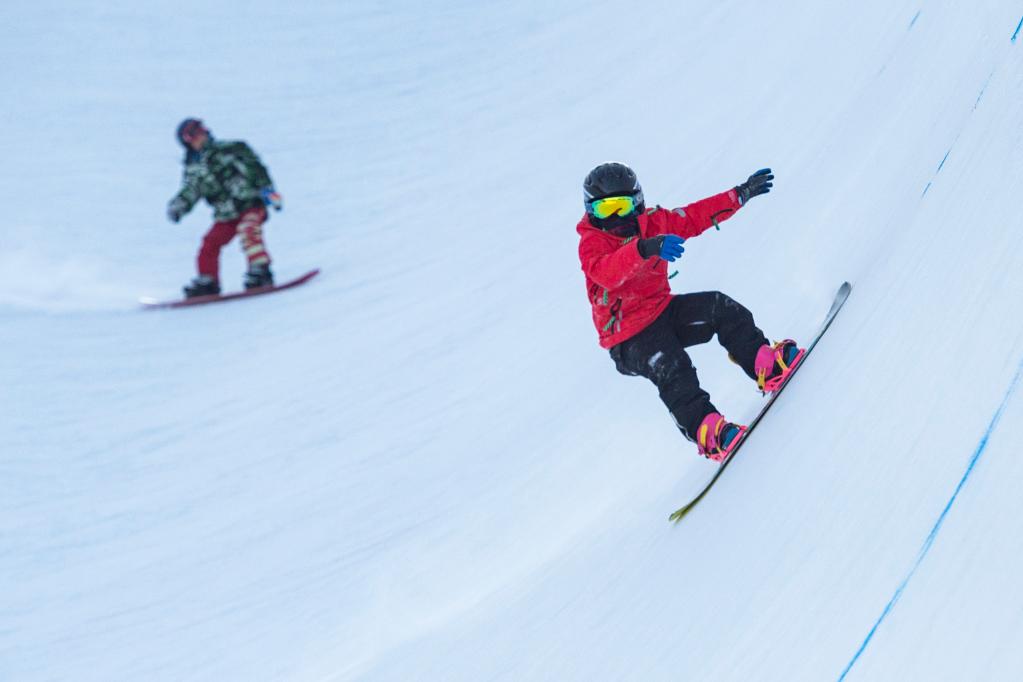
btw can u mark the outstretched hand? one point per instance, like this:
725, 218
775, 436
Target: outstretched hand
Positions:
176, 208
272, 197
665, 246
757, 184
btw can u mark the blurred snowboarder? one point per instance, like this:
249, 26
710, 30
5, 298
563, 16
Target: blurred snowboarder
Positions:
231, 178
625, 249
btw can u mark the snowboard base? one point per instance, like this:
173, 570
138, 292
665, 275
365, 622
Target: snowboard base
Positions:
152, 303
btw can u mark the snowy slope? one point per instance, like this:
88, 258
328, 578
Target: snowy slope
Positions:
421, 466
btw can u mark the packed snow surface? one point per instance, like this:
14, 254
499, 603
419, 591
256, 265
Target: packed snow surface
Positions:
421, 465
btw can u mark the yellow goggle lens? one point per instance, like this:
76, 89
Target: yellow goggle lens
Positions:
609, 206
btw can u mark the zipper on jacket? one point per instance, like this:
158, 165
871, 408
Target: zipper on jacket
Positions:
714, 217
615, 323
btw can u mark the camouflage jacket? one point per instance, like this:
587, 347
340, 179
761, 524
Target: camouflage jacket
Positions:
227, 174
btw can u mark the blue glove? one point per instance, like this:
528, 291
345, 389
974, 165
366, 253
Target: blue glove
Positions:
665, 246
272, 197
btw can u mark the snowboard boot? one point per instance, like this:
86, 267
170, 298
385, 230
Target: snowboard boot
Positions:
259, 276
203, 285
716, 438
773, 364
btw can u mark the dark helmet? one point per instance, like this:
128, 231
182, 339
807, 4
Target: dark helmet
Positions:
612, 180
189, 129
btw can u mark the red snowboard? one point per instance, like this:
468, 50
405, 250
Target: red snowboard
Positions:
151, 303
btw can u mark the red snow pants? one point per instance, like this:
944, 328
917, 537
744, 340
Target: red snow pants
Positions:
249, 226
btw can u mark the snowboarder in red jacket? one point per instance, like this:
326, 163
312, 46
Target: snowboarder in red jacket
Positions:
625, 250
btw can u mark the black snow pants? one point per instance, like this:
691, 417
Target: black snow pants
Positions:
658, 352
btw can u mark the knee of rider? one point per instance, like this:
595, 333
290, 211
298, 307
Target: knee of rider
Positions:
722, 298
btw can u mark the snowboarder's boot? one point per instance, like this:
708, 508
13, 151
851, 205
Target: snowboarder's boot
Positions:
716, 437
203, 285
259, 276
774, 364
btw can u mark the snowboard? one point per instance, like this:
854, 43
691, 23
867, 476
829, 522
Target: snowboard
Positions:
151, 303
840, 298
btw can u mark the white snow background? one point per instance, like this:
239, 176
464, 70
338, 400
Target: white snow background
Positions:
421, 465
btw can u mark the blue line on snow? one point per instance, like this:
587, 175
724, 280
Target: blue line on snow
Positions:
1016, 32
976, 103
915, 17
940, 166
941, 519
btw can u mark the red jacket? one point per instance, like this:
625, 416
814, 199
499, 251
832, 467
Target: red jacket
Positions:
628, 293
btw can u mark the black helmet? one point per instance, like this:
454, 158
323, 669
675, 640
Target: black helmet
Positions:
612, 180
189, 129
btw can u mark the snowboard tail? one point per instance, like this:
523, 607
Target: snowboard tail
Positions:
840, 298
149, 303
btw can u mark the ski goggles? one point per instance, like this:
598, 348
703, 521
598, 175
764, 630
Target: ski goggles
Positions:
609, 206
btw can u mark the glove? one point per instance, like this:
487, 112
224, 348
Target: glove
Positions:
665, 246
176, 208
757, 184
272, 198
